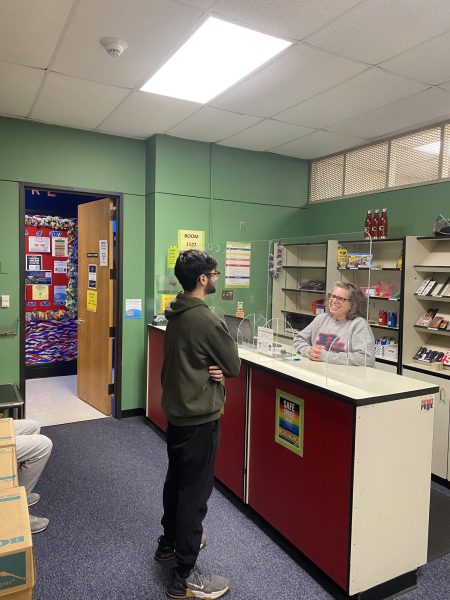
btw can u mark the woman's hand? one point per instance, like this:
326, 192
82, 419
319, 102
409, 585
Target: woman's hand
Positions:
215, 373
314, 353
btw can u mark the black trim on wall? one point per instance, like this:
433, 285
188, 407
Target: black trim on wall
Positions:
132, 412
117, 198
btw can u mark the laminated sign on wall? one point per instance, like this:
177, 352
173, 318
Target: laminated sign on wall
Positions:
237, 265
191, 240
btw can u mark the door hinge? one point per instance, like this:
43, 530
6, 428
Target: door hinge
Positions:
112, 274
112, 332
112, 214
110, 388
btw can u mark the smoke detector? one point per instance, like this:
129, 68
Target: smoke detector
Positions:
114, 46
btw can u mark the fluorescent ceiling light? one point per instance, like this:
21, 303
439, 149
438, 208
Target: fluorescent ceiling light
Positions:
432, 148
215, 57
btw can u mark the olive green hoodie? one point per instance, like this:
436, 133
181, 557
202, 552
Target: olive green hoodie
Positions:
195, 339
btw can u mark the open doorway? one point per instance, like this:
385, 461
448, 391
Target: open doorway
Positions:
70, 299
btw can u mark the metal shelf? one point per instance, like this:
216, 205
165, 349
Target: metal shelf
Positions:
433, 298
433, 268
428, 330
304, 291
383, 326
304, 267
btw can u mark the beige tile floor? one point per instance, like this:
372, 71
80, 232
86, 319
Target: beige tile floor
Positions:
54, 401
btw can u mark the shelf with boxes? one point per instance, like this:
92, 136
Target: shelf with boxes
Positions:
376, 267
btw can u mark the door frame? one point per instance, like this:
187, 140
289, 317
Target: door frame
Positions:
117, 197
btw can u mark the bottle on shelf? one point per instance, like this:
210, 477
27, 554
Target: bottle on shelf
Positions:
383, 225
375, 224
368, 225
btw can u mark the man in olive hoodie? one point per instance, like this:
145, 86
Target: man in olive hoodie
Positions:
198, 353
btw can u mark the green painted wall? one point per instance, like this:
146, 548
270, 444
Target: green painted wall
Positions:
42, 154
203, 187
411, 211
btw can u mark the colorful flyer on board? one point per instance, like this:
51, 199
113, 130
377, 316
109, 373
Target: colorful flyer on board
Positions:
60, 246
237, 264
38, 244
39, 292
289, 425
133, 308
59, 295
60, 266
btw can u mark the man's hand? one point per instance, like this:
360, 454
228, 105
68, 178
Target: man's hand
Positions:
314, 353
215, 373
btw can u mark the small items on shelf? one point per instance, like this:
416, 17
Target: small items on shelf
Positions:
312, 286
426, 319
431, 287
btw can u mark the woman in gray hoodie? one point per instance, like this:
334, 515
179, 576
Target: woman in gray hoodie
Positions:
341, 335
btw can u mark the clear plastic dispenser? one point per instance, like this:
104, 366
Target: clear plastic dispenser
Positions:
272, 340
247, 332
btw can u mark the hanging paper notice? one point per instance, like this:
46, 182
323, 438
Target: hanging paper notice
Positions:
92, 277
172, 255
133, 308
166, 299
237, 265
191, 240
39, 292
91, 300
38, 244
33, 262
103, 251
60, 246
60, 266
59, 295
290, 418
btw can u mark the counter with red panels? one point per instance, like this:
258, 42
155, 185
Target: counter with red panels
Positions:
336, 459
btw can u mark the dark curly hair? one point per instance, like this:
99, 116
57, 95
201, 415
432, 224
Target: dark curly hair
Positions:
190, 265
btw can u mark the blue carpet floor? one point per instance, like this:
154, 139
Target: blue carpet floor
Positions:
102, 491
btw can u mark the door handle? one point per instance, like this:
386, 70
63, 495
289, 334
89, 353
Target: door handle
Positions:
79, 321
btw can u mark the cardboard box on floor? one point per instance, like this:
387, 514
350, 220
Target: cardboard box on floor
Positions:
8, 462
16, 556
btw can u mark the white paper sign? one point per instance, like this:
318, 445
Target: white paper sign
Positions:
265, 340
60, 266
38, 244
103, 252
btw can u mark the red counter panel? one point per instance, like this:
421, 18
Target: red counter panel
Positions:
307, 499
154, 391
230, 458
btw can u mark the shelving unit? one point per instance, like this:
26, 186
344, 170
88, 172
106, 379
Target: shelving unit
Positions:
384, 274
302, 263
428, 257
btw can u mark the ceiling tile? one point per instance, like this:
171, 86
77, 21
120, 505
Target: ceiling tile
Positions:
75, 102
29, 30
297, 74
319, 143
374, 31
212, 124
424, 108
153, 30
428, 62
266, 134
365, 92
19, 87
285, 17
143, 115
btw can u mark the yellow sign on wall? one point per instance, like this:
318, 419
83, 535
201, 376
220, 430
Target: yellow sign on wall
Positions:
172, 255
92, 300
191, 240
166, 299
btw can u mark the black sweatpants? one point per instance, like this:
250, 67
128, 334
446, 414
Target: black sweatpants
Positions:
189, 482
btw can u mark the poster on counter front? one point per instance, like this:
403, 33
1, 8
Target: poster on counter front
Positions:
237, 264
289, 423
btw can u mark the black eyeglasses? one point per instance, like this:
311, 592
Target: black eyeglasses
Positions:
216, 273
338, 299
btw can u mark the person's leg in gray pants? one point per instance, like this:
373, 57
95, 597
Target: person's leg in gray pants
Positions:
33, 450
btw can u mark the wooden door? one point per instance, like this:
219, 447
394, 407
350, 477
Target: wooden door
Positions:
95, 304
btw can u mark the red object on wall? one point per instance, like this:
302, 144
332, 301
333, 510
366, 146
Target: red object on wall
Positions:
47, 263
307, 499
230, 458
154, 389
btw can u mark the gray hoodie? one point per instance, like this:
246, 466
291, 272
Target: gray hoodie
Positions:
195, 339
336, 337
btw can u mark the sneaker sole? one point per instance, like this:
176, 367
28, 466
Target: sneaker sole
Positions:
198, 594
40, 530
33, 503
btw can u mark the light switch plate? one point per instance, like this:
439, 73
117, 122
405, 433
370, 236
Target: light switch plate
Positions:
4, 301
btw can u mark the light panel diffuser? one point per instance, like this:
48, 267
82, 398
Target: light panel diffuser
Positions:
215, 57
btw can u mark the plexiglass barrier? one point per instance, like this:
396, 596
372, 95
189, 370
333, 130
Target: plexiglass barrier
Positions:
347, 362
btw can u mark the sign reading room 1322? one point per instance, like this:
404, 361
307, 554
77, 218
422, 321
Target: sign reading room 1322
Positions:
190, 240
289, 425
